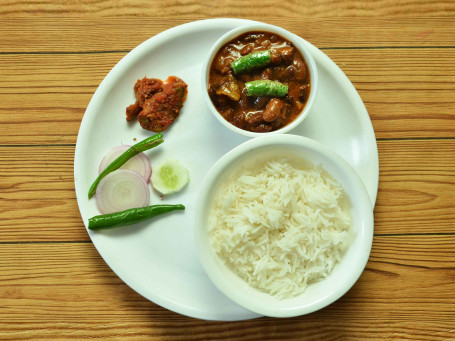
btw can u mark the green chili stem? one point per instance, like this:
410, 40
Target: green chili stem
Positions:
130, 216
139, 147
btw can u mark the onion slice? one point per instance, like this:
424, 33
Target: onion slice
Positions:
121, 190
139, 163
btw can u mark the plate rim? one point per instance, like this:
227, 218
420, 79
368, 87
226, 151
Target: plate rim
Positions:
135, 54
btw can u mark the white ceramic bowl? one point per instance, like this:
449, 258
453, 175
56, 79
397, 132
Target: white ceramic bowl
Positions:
298, 42
318, 294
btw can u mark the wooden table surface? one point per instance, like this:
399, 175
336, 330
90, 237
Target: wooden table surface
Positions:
400, 56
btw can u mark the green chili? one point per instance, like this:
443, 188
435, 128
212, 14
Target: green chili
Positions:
139, 147
129, 217
266, 88
251, 61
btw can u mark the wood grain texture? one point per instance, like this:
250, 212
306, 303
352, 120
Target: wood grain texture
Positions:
38, 201
407, 92
58, 89
400, 55
76, 35
231, 8
408, 284
416, 187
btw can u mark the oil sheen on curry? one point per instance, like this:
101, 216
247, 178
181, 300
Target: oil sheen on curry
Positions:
259, 82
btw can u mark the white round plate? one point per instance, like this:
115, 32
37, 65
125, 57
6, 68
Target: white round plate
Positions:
158, 258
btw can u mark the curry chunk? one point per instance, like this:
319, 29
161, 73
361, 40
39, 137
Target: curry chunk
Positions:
157, 103
163, 108
144, 89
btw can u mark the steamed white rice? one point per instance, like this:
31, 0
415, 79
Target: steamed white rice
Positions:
280, 225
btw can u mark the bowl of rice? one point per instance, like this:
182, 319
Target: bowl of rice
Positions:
283, 225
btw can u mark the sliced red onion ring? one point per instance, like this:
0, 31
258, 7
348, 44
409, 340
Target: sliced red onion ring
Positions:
121, 190
140, 163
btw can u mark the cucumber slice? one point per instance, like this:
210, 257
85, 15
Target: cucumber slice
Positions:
169, 177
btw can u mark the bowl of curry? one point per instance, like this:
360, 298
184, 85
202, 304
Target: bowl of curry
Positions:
260, 79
